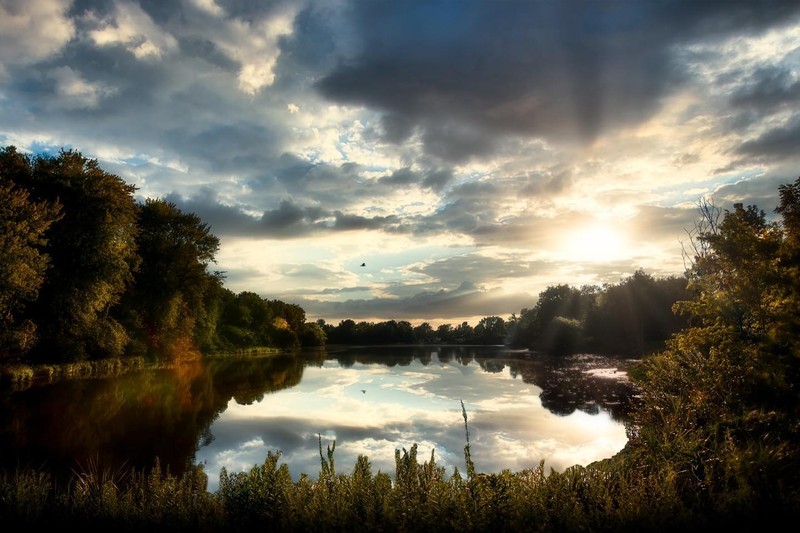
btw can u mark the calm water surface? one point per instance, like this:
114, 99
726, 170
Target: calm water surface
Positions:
521, 409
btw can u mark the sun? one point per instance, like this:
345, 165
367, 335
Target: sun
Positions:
597, 243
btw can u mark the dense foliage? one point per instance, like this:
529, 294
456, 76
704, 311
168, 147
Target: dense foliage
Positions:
23, 263
489, 330
631, 317
88, 273
721, 405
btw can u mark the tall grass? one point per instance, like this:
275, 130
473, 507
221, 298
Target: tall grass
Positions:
608, 496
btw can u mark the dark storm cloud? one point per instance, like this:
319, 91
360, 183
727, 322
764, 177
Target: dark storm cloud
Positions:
222, 219
243, 146
776, 144
334, 186
762, 193
345, 222
466, 209
340, 186
768, 89
402, 177
464, 74
287, 220
435, 179
290, 220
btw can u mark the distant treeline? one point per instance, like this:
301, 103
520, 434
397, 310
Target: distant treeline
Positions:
633, 316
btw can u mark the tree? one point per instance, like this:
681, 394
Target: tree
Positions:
490, 330
463, 333
92, 250
246, 321
784, 335
344, 333
23, 263
167, 303
444, 333
424, 333
635, 316
312, 334
522, 332
720, 413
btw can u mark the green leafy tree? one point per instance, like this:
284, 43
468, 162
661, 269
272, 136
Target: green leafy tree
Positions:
555, 304
522, 333
294, 315
92, 248
312, 334
248, 320
720, 417
784, 335
23, 263
344, 333
168, 302
635, 316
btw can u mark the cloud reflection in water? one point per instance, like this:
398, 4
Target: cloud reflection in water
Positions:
374, 409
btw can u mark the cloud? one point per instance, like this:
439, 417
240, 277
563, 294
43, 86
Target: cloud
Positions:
129, 26
32, 30
464, 79
466, 301
768, 89
775, 144
75, 92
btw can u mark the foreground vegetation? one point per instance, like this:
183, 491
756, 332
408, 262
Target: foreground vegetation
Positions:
606, 496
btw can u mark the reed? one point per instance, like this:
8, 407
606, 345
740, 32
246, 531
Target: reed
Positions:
608, 496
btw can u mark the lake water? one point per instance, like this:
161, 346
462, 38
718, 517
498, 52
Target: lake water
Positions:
521, 409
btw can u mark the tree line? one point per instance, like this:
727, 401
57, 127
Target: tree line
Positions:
633, 316
87, 272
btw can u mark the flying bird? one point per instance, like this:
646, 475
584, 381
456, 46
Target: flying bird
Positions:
363, 391
363, 264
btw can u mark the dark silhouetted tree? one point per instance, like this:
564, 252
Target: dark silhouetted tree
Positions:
490, 330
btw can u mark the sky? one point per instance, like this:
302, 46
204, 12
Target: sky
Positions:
469, 153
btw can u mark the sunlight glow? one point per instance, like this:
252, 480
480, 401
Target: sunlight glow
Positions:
595, 243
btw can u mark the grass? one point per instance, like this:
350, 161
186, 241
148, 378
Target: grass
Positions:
20, 376
606, 496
